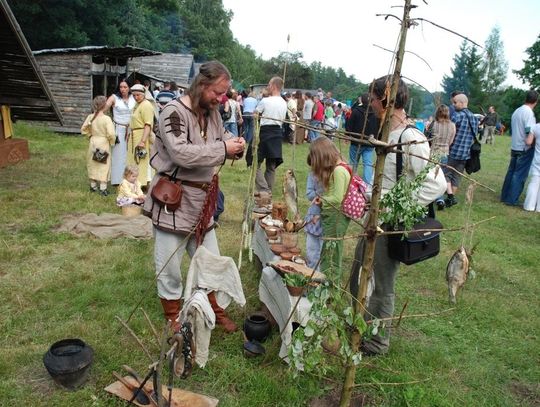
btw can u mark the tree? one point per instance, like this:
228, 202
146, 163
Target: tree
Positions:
530, 73
495, 65
467, 75
458, 74
474, 88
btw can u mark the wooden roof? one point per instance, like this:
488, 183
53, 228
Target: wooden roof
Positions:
167, 66
22, 85
101, 50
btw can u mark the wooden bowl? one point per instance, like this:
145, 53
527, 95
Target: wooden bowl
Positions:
277, 248
286, 255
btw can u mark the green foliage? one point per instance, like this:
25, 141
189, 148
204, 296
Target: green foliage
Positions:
331, 320
295, 279
74, 23
399, 204
495, 65
530, 73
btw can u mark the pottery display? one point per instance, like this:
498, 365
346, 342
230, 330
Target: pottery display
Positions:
68, 362
257, 327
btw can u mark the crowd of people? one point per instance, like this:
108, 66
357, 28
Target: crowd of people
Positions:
211, 122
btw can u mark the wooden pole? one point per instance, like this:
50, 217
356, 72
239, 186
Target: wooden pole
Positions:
373, 216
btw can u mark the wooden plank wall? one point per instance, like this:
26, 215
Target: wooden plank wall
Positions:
176, 67
70, 81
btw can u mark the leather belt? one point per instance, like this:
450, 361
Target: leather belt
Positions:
204, 186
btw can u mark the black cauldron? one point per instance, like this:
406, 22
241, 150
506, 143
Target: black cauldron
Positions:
68, 362
257, 327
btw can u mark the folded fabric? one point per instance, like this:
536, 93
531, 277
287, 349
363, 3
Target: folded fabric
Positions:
215, 273
198, 311
107, 226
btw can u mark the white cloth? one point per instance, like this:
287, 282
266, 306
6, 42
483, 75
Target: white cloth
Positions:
215, 273
535, 166
198, 311
532, 199
274, 294
273, 109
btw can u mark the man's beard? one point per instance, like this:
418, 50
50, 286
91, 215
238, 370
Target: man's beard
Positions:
208, 104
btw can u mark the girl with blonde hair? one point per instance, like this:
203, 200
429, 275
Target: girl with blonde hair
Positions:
333, 174
99, 129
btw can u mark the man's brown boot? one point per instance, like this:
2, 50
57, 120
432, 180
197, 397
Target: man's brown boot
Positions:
221, 317
171, 310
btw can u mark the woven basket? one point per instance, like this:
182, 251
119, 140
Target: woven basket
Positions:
131, 210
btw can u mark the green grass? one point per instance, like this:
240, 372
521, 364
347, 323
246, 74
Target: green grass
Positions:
53, 286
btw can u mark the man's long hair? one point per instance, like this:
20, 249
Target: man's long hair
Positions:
209, 73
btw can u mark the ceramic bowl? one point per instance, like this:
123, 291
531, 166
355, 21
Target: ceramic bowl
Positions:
277, 248
271, 231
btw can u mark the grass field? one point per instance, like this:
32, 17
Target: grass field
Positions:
485, 352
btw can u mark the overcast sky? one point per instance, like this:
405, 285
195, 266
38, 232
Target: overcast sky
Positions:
341, 33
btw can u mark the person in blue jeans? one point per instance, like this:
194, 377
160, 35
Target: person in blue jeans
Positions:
362, 122
250, 103
521, 156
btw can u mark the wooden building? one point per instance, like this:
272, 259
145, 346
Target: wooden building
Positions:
169, 67
76, 75
24, 93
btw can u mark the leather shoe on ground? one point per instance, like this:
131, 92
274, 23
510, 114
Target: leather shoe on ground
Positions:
440, 205
93, 189
104, 192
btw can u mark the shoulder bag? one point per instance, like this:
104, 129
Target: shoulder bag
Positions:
167, 192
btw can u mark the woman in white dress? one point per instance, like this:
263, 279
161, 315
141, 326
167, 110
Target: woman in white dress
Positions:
122, 104
532, 199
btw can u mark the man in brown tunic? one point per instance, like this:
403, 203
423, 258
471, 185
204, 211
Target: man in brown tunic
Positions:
191, 142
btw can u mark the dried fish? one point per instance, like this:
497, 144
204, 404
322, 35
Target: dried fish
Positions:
457, 271
290, 194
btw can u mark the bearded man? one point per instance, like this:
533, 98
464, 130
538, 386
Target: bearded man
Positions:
190, 143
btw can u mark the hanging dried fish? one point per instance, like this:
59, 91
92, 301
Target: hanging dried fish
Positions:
457, 271
290, 194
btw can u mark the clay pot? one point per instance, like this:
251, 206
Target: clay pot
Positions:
286, 256
68, 362
295, 291
279, 211
257, 327
289, 240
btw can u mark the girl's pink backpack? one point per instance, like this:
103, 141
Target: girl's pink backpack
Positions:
354, 202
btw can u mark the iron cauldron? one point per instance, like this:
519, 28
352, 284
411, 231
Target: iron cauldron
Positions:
68, 362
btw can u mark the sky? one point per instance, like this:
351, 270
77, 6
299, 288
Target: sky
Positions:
341, 33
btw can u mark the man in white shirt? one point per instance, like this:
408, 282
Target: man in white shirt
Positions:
522, 154
272, 111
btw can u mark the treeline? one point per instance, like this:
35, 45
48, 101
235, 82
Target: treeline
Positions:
202, 28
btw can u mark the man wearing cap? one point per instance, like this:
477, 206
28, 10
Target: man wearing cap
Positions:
191, 144
165, 95
142, 120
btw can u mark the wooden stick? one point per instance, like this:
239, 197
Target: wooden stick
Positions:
152, 328
135, 337
401, 313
